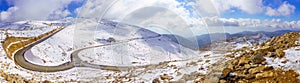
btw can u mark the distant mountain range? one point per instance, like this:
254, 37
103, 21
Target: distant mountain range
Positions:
205, 39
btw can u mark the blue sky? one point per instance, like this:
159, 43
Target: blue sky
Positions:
4, 5
260, 14
272, 3
73, 5
233, 12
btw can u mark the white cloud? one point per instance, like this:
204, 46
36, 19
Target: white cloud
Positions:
54, 9
35, 10
285, 9
249, 6
6, 14
59, 14
121, 8
246, 22
208, 7
93, 8
215, 7
168, 14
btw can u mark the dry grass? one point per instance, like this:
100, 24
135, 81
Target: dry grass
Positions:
11, 44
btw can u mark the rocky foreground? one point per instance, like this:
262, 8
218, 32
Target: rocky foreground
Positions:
251, 66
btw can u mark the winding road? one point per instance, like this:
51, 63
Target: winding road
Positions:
19, 56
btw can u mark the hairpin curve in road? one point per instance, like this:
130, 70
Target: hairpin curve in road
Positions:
15, 48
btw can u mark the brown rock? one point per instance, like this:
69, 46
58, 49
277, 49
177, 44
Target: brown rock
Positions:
243, 61
206, 55
188, 77
256, 69
270, 54
257, 58
250, 76
211, 80
280, 53
200, 60
165, 77
285, 61
230, 66
47, 81
264, 74
243, 81
156, 80
239, 74
254, 65
264, 63
222, 81
235, 62
195, 81
266, 49
259, 69
182, 81
206, 61
193, 63
225, 72
230, 55
247, 66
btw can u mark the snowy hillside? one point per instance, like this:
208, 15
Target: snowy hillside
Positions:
139, 46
